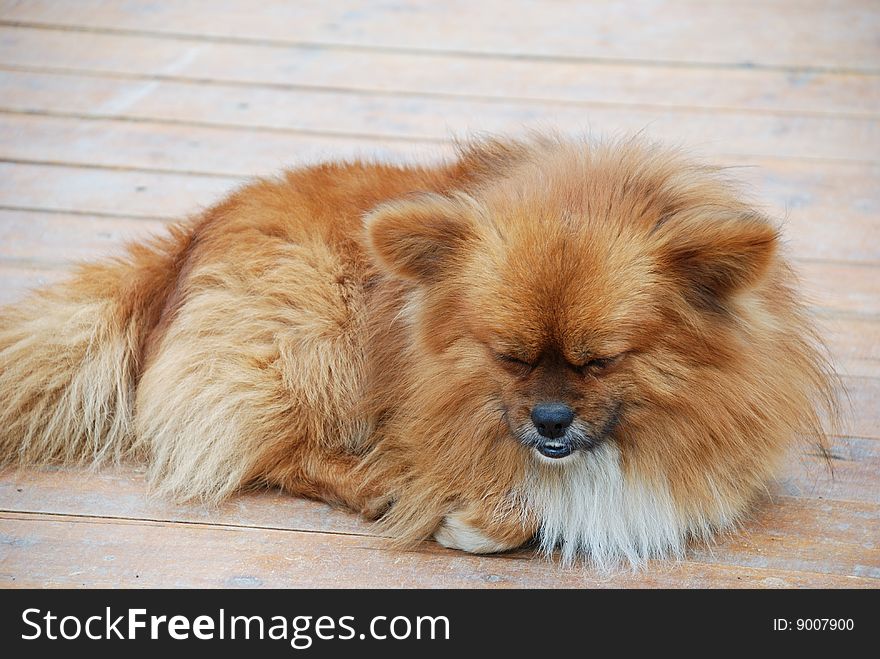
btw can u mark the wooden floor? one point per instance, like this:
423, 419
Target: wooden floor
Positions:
119, 117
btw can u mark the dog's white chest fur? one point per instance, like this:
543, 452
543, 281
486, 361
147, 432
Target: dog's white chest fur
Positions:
588, 507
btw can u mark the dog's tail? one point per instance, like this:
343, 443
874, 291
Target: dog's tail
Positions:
70, 357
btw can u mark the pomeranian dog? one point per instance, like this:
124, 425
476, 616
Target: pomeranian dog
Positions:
597, 346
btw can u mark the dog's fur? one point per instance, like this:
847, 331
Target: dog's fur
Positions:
375, 336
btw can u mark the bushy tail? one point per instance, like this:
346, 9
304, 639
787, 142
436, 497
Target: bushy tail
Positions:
70, 357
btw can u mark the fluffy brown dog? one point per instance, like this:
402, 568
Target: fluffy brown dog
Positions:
597, 345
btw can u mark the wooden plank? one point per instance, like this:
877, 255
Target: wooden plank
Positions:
785, 33
58, 238
719, 131
16, 281
854, 344
830, 209
840, 287
137, 193
829, 212
122, 493
855, 465
46, 551
296, 67
810, 535
208, 150
863, 401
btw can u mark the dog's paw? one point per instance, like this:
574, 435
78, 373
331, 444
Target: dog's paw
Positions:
376, 507
456, 533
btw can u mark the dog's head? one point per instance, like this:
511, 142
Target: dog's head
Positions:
617, 296
568, 280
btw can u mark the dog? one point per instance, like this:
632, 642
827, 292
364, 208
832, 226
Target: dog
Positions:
595, 346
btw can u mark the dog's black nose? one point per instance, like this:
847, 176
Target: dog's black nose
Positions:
552, 419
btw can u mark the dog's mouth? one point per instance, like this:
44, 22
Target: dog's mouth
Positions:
577, 440
554, 448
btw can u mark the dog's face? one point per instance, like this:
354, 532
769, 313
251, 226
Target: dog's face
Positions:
557, 335
558, 288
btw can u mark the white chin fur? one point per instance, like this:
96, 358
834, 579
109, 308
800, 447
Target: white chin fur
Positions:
588, 508
455, 533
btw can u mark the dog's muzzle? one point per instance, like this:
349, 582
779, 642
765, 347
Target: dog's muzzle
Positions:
577, 436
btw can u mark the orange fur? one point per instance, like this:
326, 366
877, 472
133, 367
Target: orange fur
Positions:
375, 336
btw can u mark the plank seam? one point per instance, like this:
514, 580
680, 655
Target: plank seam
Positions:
408, 93
441, 52
90, 214
75, 518
373, 138
421, 549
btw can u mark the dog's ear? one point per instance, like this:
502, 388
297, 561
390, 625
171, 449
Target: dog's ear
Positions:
419, 237
715, 255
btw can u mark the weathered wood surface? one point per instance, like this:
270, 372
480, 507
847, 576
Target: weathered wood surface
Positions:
370, 71
796, 34
116, 119
403, 116
84, 552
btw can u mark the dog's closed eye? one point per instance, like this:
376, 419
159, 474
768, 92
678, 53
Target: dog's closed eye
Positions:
599, 365
514, 364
